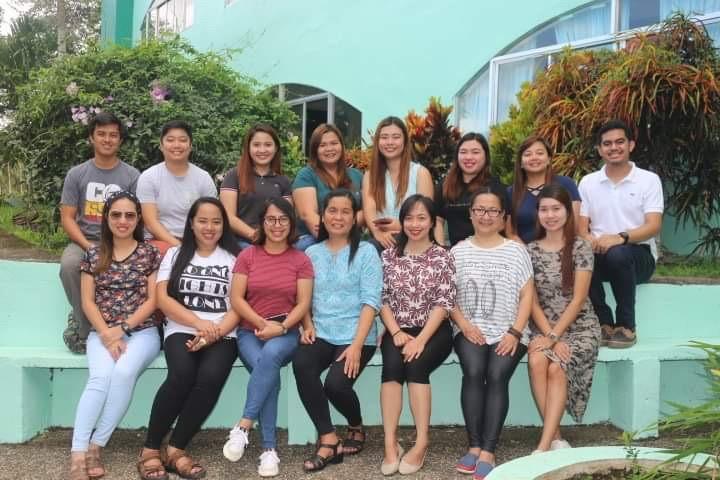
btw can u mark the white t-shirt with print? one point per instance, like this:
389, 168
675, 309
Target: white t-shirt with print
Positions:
204, 287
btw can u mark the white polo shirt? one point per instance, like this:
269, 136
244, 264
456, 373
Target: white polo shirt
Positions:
619, 207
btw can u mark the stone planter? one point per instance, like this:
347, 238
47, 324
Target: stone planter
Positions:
563, 464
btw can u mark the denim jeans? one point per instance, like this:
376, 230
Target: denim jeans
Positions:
264, 359
625, 267
110, 387
304, 242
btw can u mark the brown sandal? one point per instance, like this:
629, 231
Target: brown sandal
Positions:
93, 462
171, 465
78, 471
151, 472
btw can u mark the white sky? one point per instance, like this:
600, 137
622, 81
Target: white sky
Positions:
10, 11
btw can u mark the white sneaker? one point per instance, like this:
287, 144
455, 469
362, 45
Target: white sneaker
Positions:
269, 463
235, 446
559, 444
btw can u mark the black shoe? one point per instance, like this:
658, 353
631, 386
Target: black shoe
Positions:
319, 462
622, 338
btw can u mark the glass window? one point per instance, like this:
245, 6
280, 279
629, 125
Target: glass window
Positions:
349, 120
511, 76
587, 22
294, 91
473, 105
643, 13
172, 16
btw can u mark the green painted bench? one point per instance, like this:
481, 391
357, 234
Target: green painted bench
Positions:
43, 381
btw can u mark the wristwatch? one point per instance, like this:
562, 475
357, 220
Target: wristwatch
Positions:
625, 236
126, 328
552, 336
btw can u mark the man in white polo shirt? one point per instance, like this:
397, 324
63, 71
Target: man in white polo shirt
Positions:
620, 213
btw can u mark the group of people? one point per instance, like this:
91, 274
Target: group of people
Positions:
277, 272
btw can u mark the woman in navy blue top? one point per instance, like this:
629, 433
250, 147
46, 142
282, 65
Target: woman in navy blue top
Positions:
533, 170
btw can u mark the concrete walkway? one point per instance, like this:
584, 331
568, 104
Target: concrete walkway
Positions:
46, 457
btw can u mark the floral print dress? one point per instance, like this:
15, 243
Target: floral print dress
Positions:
583, 335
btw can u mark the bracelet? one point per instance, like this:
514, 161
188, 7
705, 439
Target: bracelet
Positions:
126, 329
514, 333
398, 331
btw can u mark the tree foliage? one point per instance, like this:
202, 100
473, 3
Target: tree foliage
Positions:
77, 22
145, 86
665, 84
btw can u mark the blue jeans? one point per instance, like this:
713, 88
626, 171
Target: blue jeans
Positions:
625, 267
304, 242
264, 361
110, 387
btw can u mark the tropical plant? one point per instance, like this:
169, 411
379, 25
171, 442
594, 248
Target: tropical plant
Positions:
665, 84
433, 138
145, 86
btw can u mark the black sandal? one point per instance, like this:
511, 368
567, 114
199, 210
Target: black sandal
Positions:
319, 462
354, 445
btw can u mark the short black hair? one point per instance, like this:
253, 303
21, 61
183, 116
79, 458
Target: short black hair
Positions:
106, 118
182, 125
614, 125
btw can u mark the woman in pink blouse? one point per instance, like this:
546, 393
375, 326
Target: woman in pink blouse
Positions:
418, 293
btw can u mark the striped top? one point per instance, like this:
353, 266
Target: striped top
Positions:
489, 281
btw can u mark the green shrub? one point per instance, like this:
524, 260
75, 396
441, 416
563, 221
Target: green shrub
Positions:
145, 86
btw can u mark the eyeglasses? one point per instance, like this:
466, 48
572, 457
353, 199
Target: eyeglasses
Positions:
490, 212
282, 221
130, 216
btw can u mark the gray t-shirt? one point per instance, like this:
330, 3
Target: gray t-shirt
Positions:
86, 187
173, 195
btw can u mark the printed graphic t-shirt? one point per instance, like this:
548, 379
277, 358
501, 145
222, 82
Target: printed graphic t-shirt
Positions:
86, 187
204, 287
272, 279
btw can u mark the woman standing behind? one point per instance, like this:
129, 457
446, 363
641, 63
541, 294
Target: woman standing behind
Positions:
495, 292
341, 336
326, 171
271, 291
565, 329
418, 292
167, 190
118, 296
533, 170
256, 178
469, 171
194, 293
391, 178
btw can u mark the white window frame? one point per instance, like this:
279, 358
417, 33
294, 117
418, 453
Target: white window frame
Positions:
615, 37
155, 7
304, 101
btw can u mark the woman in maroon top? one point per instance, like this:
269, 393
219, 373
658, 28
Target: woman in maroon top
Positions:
418, 293
271, 291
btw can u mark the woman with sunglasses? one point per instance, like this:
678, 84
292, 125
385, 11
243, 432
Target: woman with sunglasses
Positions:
118, 296
271, 291
495, 294
194, 293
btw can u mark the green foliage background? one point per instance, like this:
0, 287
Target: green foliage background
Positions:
218, 102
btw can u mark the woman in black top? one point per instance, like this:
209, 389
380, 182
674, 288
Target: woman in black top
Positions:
469, 171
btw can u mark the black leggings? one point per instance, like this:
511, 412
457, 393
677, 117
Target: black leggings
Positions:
485, 399
310, 361
437, 349
191, 389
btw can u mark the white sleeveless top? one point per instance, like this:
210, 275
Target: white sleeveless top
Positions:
391, 209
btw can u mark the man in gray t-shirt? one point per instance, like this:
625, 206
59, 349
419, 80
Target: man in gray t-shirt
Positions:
85, 189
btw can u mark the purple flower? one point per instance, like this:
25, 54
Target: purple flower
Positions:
109, 99
129, 124
80, 114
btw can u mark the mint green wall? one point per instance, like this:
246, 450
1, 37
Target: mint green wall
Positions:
382, 57
117, 22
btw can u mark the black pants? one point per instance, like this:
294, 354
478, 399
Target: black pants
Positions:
310, 361
625, 267
484, 397
437, 349
191, 389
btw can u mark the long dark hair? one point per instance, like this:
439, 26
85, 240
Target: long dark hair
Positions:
454, 179
378, 164
520, 176
246, 165
188, 246
342, 179
408, 205
567, 265
106, 237
287, 209
355, 233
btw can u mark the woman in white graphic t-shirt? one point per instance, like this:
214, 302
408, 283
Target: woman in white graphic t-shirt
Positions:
494, 297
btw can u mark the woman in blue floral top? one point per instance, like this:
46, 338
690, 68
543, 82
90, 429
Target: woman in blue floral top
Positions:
341, 336
118, 297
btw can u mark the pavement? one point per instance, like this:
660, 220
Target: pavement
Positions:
47, 456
